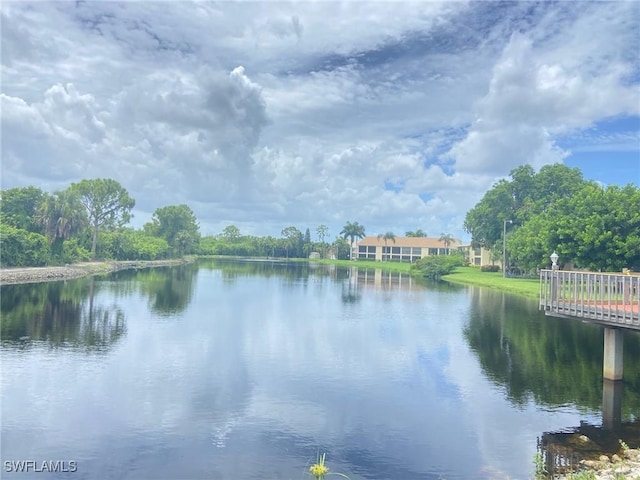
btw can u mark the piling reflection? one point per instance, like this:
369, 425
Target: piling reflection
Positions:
557, 361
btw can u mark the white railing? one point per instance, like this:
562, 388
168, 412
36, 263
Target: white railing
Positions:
609, 298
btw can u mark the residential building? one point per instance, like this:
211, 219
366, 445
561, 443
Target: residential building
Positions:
478, 256
402, 249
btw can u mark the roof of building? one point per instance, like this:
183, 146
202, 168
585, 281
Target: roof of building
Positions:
425, 242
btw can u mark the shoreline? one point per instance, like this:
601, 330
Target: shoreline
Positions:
24, 275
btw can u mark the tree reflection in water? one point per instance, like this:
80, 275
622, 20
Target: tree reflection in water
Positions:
60, 314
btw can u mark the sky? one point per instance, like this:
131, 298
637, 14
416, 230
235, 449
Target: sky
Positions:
397, 115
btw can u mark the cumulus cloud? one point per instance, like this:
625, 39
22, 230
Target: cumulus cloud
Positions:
397, 115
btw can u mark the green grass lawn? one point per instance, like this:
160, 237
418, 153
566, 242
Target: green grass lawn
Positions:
473, 276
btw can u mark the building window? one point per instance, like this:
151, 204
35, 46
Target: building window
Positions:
406, 250
406, 258
395, 250
362, 249
433, 251
476, 251
476, 261
417, 250
444, 251
372, 249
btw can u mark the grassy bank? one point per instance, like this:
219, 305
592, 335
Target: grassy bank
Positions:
473, 276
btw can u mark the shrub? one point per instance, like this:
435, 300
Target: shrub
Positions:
73, 252
489, 268
434, 267
20, 248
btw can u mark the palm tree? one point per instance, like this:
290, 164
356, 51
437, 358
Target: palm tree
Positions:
352, 231
387, 236
447, 239
60, 215
417, 233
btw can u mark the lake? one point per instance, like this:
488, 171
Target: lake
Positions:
251, 369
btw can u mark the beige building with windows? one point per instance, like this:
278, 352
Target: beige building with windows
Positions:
477, 257
403, 249
410, 249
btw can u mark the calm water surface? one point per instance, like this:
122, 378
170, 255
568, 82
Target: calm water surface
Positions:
246, 370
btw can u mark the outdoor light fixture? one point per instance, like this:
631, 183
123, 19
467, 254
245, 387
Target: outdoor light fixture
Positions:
554, 260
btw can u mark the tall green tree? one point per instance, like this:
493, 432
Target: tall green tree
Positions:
323, 232
386, 237
293, 240
596, 228
61, 216
352, 230
525, 195
231, 233
447, 239
107, 203
19, 207
178, 225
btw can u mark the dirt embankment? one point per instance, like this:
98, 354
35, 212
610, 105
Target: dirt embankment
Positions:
47, 274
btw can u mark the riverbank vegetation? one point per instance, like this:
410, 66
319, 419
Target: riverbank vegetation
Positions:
556, 209
589, 225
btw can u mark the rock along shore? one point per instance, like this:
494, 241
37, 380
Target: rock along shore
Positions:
9, 276
615, 467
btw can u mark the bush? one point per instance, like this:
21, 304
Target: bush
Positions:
20, 248
489, 268
434, 267
73, 252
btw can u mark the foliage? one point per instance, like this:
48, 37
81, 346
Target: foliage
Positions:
352, 230
19, 206
107, 204
178, 225
435, 266
526, 195
417, 233
538, 461
231, 233
73, 252
556, 209
129, 244
386, 237
446, 238
598, 229
489, 268
323, 232
60, 215
20, 248
341, 249
293, 241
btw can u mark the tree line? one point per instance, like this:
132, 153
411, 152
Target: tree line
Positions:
588, 225
89, 221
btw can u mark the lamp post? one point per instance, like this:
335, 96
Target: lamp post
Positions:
504, 247
554, 278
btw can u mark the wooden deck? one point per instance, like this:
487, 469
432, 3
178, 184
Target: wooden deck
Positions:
610, 299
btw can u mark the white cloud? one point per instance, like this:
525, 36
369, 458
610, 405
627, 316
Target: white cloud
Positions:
397, 115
